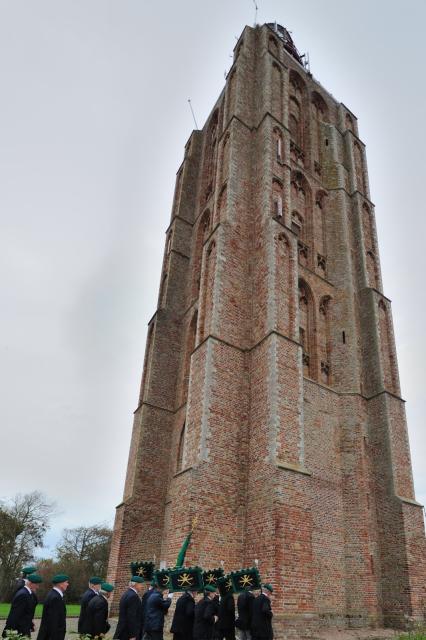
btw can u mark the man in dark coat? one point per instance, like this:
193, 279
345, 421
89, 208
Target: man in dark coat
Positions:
225, 625
93, 590
245, 608
183, 619
261, 623
145, 597
24, 602
206, 614
156, 609
97, 612
53, 619
130, 611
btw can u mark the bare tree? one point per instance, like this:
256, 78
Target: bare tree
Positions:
24, 521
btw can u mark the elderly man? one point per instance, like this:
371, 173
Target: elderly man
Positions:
20, 582
91, 592
97, 612
156, 609
261, 622
20, 618
183, 619
53, 620
206, 614
130, 611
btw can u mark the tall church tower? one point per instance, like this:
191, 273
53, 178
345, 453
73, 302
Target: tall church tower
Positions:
270, 405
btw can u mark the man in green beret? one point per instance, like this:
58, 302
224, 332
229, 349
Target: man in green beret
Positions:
261, 621
20, 582
97, 612
129, 625
206, 614
93, 590
21, 614
53, 619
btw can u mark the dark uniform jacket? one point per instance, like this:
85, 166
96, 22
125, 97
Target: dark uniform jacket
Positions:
156, 608
53, 619
183, 619
226, 620
145, 597
245, 608
21, 614
204, 613
97, 616
261, 623
82, 620
129, 616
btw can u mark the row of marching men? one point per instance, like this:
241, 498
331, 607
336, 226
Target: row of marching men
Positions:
94, 607
204, 611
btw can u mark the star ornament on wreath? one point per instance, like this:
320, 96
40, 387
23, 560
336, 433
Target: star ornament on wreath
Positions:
141, 572
210, 579
186, 580
246, 580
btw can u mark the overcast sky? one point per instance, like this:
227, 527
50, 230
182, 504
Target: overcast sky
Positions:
93, 121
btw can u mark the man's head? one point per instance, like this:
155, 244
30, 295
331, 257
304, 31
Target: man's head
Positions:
95, 583
61, 582
267, 589
210, 590
137, 583
106, 589
32, 581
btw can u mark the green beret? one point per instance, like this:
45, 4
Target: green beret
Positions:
137, 579
34, 578
29, 569
95, 580
106, 586
60, 577
267, 586
211, 588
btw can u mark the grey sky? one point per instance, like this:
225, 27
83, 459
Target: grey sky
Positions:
93, 120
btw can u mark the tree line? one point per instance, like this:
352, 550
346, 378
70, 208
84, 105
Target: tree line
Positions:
80, 553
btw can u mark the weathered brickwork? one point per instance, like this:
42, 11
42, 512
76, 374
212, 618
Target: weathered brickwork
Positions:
270, 402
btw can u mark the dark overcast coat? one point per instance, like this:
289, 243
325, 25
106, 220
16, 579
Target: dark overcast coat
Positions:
21, 613
261, 623
130, 616
53, 619
82, 620
97, 616
183, 619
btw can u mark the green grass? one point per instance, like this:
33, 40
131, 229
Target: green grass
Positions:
73, 610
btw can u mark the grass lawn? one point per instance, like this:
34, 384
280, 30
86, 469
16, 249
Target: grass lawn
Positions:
73, 610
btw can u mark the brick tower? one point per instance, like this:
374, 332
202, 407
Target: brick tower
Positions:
270, 405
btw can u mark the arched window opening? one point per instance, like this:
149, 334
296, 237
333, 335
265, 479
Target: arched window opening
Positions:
180, 449
386, 348
277, 198
163, 291
367, 227
306, 329
373, 280
278, 141
189, 348
295, 122
324, 339
203, 230
301, 200
220, 212
320, 234
277, 92
297, 225
285, 285
359, 168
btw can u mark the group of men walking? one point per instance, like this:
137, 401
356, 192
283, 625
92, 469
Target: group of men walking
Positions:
199, 615
205, 616
93, 620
